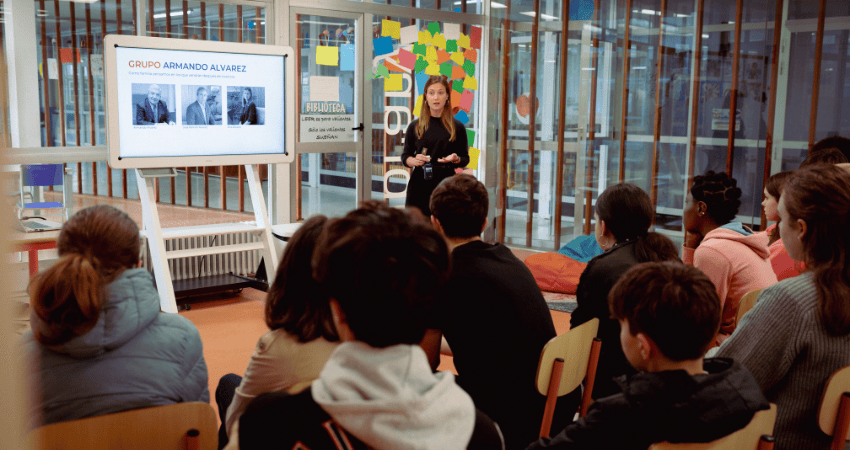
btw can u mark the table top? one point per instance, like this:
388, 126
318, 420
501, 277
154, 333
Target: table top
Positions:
284, 231
35, 237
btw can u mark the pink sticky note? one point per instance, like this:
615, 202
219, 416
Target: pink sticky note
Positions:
475, 37
406, 59
466, 100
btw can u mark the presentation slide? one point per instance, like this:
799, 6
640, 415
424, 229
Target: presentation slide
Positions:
194, 103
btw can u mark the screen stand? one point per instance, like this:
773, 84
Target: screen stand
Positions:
156, 235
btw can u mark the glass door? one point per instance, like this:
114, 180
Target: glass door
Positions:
330, 141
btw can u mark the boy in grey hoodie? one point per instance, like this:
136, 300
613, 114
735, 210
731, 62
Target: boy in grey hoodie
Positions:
382, 268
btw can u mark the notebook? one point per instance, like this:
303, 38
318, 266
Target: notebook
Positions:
34, 224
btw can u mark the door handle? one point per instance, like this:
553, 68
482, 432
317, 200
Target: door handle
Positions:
360, 128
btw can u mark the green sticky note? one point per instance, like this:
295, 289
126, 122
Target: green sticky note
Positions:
421, 64
457, 85
393, 82
469, 67
433, 28
383, 71
419, 49
470, 137
451, 45
446, 69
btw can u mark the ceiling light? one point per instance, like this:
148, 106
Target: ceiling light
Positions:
542, 16
497, 5
174, 13
651, 12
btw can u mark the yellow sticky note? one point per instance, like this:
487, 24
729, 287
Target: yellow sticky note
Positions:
417, 107
439, 41
458, 58
327, 56
470, 83
463, 41
432, 69
393, 83
431, 54
425, 37
474, 153
391, 28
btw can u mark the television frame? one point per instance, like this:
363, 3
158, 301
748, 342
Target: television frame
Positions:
112, 42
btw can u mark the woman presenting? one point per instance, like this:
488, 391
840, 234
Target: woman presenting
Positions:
436, 134
249, 110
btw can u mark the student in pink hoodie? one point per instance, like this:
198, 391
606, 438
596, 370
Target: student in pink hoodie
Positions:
733, 257
783, 266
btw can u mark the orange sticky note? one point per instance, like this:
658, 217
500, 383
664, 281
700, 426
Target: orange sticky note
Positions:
442, 56
458, 73
455, 98
471, 54
393, 66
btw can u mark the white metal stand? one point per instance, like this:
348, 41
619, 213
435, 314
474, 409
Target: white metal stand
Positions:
156, 235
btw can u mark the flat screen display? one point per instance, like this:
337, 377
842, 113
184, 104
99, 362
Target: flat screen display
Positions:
214, 107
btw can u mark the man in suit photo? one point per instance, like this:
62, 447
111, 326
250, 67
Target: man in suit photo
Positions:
199, 113
152, 110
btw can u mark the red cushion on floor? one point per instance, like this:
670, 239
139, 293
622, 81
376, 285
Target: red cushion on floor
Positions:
555, 272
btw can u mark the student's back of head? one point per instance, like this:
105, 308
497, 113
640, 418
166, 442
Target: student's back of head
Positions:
384, 267
94, 246
840, 143
460, 204
294, 301
825, 155
673, 304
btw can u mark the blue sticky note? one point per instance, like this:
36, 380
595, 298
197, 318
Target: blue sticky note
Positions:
383, 45
421, 79
346, 57
462, 117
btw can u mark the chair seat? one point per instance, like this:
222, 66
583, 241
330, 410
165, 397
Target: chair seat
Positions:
42, 205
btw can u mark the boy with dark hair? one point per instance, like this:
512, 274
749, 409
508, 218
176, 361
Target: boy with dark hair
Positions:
669, 314
492, 315
839, 143
382, 268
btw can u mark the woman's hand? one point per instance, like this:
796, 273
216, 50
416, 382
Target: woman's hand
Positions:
692, 239
453, 158
418, 160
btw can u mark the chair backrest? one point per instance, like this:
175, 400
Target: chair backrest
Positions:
41, 174
747, 438
747, 303
160, 427
574, 348
831, 406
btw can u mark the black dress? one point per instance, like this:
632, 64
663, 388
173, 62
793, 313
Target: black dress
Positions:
436, 140
249, 114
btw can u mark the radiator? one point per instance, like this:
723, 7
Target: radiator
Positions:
237, 263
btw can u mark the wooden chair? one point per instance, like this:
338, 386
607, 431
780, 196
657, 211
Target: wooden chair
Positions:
182, 426
747, 303
580, 347
757, 435
834, 412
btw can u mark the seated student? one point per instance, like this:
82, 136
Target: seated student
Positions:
669, 314
302, 337
826, 155
99, 343
798, 333
382, 268
623, 216
783, 265
840, 143
493, 316
733, 257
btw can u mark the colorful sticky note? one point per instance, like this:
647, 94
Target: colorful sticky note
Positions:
470, 137
470, 83
406, 59
327, 56
409, 35
421, 79
451, 45
433, 69
463, 41
417, 107
421, 64
469, 67
424, 37
475, 37
383, 45
346, 57
442, 56
471, 55
457, 85
451, 30
446, 69
391, 28
438, 41
393, 83
458, 73
392, 65
474, 154
431, 54
462, 117
419, 49
455, 97
466, 100
458, 58
433, 28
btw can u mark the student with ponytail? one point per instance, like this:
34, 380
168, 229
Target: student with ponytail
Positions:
99, 343
798, 333
623, 216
